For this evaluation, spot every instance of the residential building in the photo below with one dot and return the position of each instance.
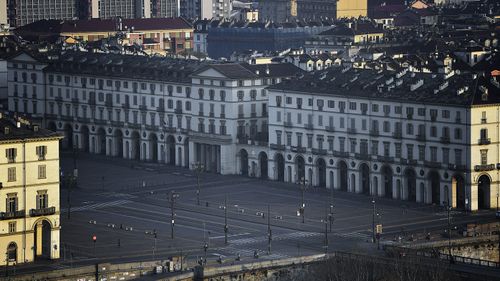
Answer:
(352, 8)
(29, 188)
(148, 108)
(289, 10)
(27, 11)
(206, 9)
(429, 138)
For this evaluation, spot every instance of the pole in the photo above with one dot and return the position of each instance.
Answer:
(226, 229)
(449, 232)
(373, 220)
(331, 209)
(269, 234)
(69, 200)
(172, 214)
(198, 184)
(326, 235)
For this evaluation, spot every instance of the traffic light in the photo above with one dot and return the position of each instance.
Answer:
(94, 238)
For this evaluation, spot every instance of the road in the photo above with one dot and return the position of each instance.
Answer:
(123, 203)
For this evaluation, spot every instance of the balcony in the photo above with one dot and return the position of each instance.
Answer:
(211, 114)
(50, 116)
(75, 100)
(171, 130)
(200, 113)
(277, 146)
(152, 127)
(143, 107)
(412, 162)
(351, 131)
(100, 122)
(253, 114)
(454, 167)
(162, 109)
(317, 151)
(92, 101)
(134, 126)
(445, 140)
(432, 164)
(223, 116)
(298, 149)
(309, 126)
(213, 138)
(330, 129)
(177, 110)
(241, 116)
(362, 156)
(403, 161)
(483, 168)
(58, 99)
(242, 139)
(385, 159)
(421, 137)
(42, 212)
(117, 123)
(288, 124)
(374, 133)
(126, 105)
(108, 103)
(12, 215)
(484, 141)
(397, 135)
(341, 154)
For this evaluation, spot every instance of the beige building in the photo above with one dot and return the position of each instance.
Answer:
(29, 189)
(352, 8)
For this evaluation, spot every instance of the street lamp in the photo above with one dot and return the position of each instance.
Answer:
(198, 167)
(173, 195)
(373, 220)
(448, 210)
(303, 186)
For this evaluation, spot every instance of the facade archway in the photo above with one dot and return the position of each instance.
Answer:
(342, 177)
(321, 167)
(279, 163)
(153, 147)
(118, 143)
(42, 239)
(434, 181)
(263, 165)
(171, 149)
(411, 185)
(68, 136)
(365, 178)
(387, 180)
(101, 141)
(136, 145)
(300, 167)
(85, 138)
(483, 192)
(12, 252)
(458, 189)
(244, 162)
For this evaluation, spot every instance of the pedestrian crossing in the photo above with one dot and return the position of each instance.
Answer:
(246, 253)
(279, 237)
(355, 235)
(99, 205)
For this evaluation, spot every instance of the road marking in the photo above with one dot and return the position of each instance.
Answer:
(229, 236)
(98, 206)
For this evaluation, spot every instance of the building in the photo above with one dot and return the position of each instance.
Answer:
(352, 8)
(420, 137)
(152, 109)
(27, 11)
(288, 10)
(206, 9)
(29, 181)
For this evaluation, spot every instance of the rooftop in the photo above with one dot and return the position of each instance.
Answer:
(17, 129)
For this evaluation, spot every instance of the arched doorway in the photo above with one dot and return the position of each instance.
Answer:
(411, 184)
(342, 170)
(68, 136)
(387, 181)
(244, 162)
(136, 145)
(300, 167)
(483, 192)
(321, 166)
(263, 165)
(153, 147)
(365, 178)
(101, 141)
(12, 252)
(85, 138)
(279, 162)
(42, 239)
(171, 150)
(119, 143)
(434, 181)
(458, 187)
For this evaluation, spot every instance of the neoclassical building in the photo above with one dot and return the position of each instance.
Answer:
(430, 138)
(155, 109)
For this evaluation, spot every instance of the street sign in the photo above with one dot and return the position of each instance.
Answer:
(379, 229)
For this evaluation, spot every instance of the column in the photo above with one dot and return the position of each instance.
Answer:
(38, 238)
(192, 153)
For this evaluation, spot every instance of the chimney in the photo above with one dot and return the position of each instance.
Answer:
(6, 130)
(35, 128)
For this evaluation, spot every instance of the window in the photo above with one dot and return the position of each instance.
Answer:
(288, 139)
(458, 156)
(398, 109)
(42, 199)
(484, 134)
(299, 103)
(288, 100)
(484, 156)
(11, 154)
(278, 116)
(421, 111)
(352, 106)
(309, 140)
(342, 144)
(11, 174)
(223, 95)
(458, 134)
(387, 126)
(387, 109)
(421, 152)
(331, 104)
(278, 137)
(353, 145)
(12, 227)
(299, 139)
(446, 155)
(433, 131)
(433, 153)
(11, 202)
(446, 114)
(374, 147)
(483, 117)
(299, 118)
(409, 151)
(398, 150)
(42, 172)
(342, 123)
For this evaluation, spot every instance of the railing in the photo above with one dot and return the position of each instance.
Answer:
(309, 126)
(341, 154)
(421, 137)
(298, 149)
(75, 100)
(330, 129)
(12, 215)
(386, 159)
(152, 127)
(162, 109)
(42, 212)
(288, 124)
(484, 141)
(223, 138)
(171, 130)
(481, 168)
(317, 151)
(277, 146)
(134, 126)
(445, 140)
(253, 114)
(126, 105)
(177, 110)
(412, 162)
(397, 135)
(108, 103)
(117, 123)
(454, 167)
(92, 101)
(143, 107)
(58, 99)
(432, 164)
(362, 156)
(241, 116)
(351, 131)
(100, 122)
(83, 119)
(223, 116)
(374, 133)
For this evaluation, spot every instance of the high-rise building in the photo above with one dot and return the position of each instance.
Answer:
(106, 9)
(22, 12)
(206, 9)
(29, 186)
(352, 8)
(285, 10)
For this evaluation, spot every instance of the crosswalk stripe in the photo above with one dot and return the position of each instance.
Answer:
(98, 206)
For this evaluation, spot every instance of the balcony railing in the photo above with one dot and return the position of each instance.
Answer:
(412, 162)
(445, 139)
(432, 164)
(83, 119)
(298, 149)
(277, 146)
(12, 215)
(374, 133)
(108, 103)
(152, 127)
(484, 141)
(362, 156)
(143, 107)
(351, 131)
(178, 111)
(75, 100)
(241, 116)
(386, 159)
(117, 123)
(330, 129)
(288, 124)
(454, 167)
(134, 126)
(341, 154)
(397, 135)
(309, 126)
(421, 137)
(162, 109)
(42, 212)
(253, 114)
(317, 151)
(481, 168)
(126, 105)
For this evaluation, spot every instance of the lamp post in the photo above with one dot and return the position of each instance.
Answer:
(173, 195)
(226, 228)
(303, 186)
(198, 167)
(373, 220)
(448, 210)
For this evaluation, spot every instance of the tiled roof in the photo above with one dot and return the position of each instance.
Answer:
(24, 132)
(110, 25)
